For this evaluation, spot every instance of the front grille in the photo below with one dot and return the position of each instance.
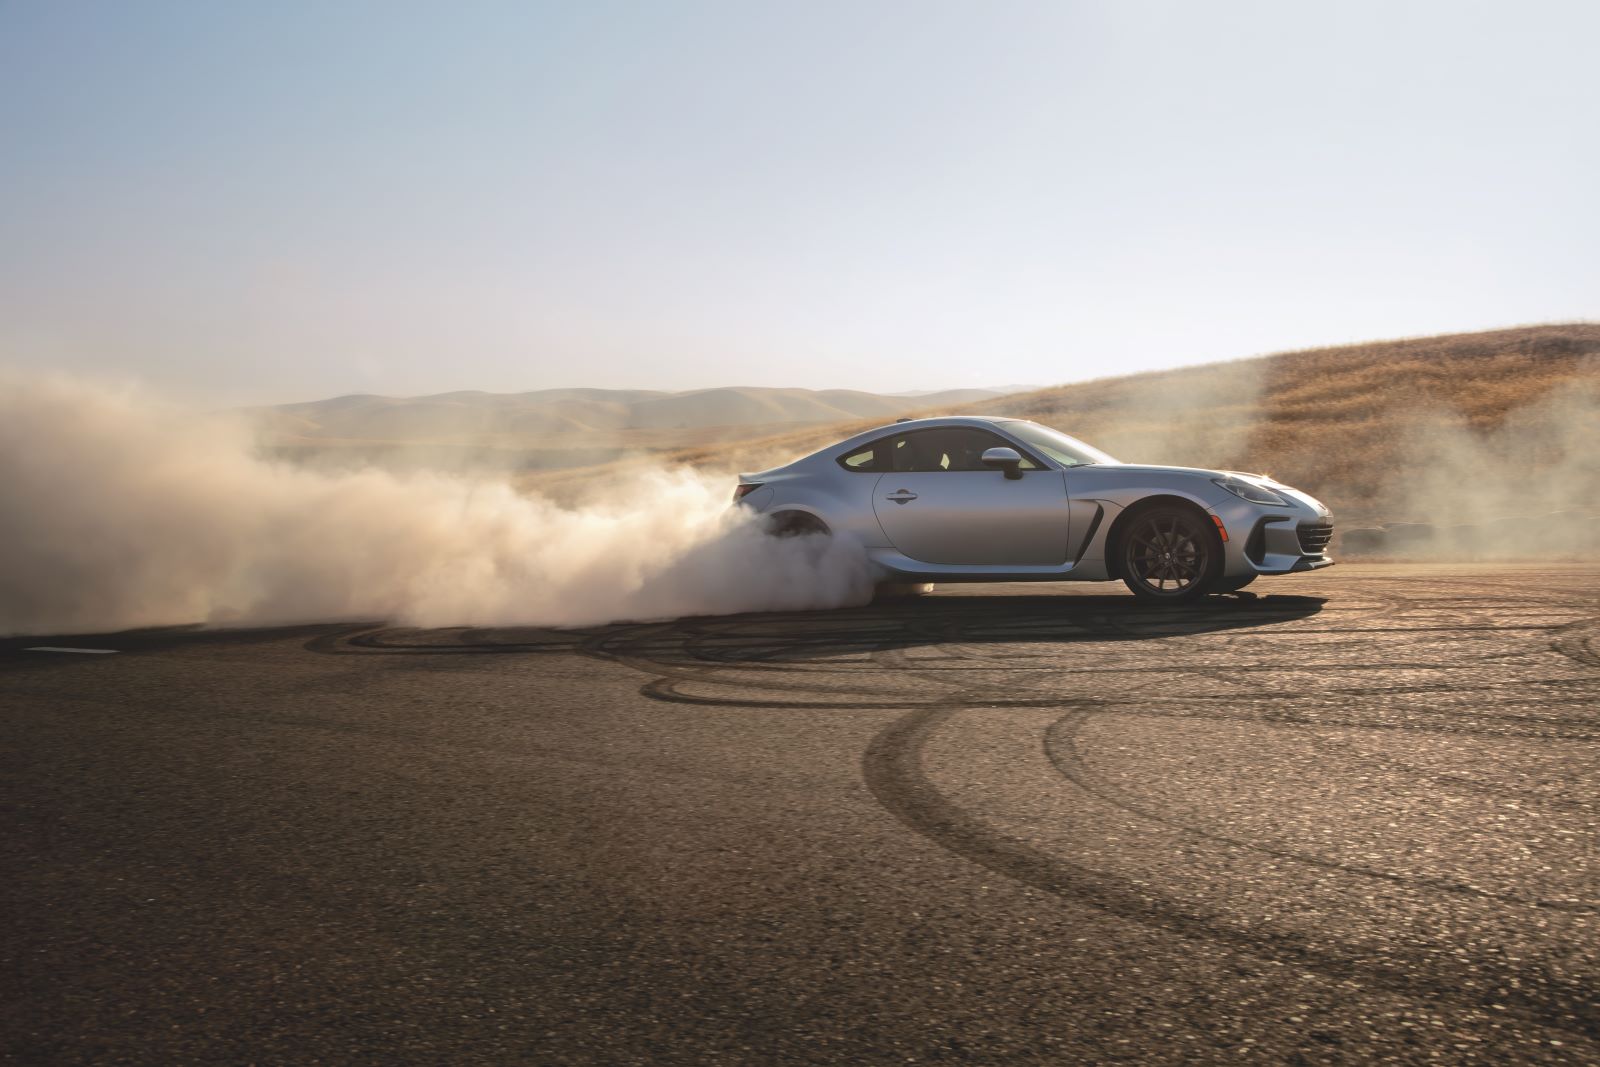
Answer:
(1314, 537)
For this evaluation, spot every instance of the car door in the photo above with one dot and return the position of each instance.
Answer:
(937, 503)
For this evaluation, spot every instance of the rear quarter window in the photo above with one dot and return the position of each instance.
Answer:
(862, 459)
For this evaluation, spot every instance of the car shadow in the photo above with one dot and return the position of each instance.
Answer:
(950, 618)
(943, 618)
(954, 616)
(25, 649)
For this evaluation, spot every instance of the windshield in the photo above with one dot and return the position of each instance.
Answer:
(1067, 451)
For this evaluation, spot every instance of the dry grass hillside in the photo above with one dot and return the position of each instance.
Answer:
(1456, 428)
(560, 428)
(1347, 423)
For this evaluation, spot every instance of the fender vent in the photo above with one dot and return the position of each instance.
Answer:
(1255, 546)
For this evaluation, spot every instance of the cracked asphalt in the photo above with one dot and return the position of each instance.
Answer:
(1352, 819)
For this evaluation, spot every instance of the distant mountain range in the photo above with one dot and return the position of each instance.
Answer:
(546, 413)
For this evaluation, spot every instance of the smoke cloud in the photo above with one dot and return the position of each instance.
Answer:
(1193, 417)
(1525, 488)
(1202, 417)
(119, 511)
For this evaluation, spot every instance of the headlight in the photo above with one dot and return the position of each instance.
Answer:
(1256, 494)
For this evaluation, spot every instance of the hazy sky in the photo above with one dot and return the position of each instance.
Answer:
(278, 201)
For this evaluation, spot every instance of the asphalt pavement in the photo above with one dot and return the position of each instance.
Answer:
(1350, 819)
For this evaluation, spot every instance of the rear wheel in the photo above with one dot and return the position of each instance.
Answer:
(1170, 554)
(795, 524)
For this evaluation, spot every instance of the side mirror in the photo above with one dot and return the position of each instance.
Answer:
(1006, 459)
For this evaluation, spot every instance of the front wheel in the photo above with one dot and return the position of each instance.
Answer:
(1170, 554)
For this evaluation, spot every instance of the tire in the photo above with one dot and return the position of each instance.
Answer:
(1170, 554)
(795, 524)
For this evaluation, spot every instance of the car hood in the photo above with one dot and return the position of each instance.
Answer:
(1160, 469)
(1203, 472)
(1287, 491)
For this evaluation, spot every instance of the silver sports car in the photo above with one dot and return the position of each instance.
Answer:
(973, 499)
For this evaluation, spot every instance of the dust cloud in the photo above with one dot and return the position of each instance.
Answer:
(1427, 480)
(1199, 418)
(1526, 488)
(1192, 417)
(118, 510)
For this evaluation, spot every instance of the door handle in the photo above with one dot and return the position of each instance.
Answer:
(901, 496)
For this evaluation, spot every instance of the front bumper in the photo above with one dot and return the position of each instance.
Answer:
(1276, 540)
(1284, 544)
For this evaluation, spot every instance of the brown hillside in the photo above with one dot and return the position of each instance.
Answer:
(1344, 422)
(556, 418)
(1381, 431)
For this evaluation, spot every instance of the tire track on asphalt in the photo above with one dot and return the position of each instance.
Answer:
(1447, 657)
(892, 768)
(1062, 750)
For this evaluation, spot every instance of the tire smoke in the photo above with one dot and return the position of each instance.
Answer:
(1192, 417)
(1525, 488)
(120, 511)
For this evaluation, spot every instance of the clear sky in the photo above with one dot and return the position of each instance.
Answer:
(277, 201)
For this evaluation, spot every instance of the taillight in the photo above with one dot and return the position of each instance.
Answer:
(744, 489)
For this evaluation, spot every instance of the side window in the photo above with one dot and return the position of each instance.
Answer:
(862, 459)
(952, 448)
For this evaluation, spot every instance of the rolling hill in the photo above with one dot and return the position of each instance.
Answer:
(535, 417)
(1451, 430)
(558, 429)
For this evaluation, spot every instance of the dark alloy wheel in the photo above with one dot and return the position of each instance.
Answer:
(1170, 554)
(795, 524)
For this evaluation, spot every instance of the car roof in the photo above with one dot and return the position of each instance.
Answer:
(849, 444)
(905, 425)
